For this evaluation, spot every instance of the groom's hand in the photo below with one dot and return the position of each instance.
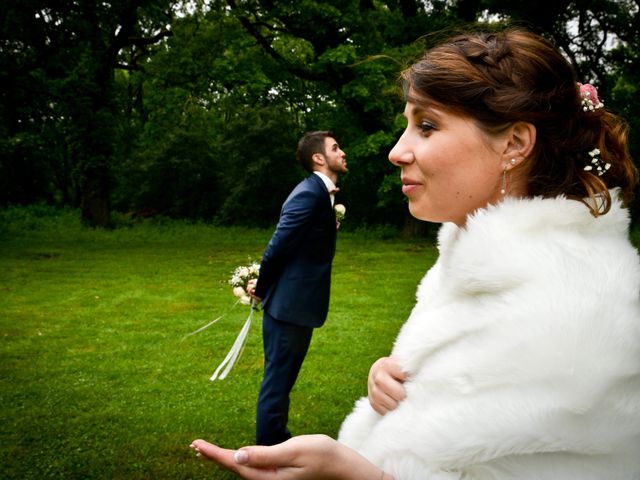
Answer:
(386, 385)
(251, 289)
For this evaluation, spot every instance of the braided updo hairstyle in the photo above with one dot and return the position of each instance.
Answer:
(515, 75)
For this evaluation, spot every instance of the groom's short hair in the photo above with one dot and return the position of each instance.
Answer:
(310, 144)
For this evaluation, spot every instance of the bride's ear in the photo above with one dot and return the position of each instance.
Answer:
(520, 140)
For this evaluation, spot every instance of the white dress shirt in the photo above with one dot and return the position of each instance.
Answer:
(329, 184)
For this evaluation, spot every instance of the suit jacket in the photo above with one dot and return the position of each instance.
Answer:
(295, 272)
(523, 351)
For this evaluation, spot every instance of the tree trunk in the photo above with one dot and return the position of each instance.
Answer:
(416, 228)
(94, 204)
(468, 10)
(94, 123)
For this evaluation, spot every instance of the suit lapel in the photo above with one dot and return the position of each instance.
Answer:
(320, 186)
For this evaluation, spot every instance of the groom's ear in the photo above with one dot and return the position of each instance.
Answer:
(318, 159)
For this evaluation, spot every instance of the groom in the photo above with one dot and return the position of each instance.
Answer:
(295, 276)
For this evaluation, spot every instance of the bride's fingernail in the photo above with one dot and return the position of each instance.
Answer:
(241, 456)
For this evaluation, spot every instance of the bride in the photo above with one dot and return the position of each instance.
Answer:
(521, 357)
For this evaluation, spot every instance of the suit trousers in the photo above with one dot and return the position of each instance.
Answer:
(285, 347)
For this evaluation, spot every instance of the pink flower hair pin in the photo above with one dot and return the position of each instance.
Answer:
(589, 96)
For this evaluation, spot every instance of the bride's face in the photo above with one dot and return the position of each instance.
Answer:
(449, 167)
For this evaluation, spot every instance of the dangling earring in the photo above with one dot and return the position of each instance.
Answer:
(503, 190)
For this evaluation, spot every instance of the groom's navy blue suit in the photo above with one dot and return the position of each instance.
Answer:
(294, 284)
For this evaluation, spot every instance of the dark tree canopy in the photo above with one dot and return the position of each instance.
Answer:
(192, 109)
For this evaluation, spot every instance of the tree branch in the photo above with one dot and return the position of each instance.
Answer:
(143, 41)
(264, 43)
(468, 10)
(131, 68)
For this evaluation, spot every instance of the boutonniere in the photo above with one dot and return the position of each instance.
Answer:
(340, 212)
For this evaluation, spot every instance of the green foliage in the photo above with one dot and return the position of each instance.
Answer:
(60, 60)
(158, 107)
(97, 379)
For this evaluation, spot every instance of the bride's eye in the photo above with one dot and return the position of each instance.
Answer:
(426, 127)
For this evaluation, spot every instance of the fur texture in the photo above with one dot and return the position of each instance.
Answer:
(523, 351)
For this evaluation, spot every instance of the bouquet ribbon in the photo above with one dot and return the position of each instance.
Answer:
(240, 280)
(210, 323)
(236, 349)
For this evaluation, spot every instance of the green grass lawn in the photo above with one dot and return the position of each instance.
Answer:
(97, 378)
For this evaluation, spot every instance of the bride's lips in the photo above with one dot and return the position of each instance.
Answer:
(409, 185)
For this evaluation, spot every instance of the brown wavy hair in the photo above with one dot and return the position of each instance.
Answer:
(497, 78)
(310, 144)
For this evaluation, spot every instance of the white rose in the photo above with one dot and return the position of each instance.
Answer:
(239, 292)
(245, 300)
(340, 209)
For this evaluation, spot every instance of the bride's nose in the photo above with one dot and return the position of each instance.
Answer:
(401, 154)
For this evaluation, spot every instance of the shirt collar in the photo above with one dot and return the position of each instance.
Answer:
(326, 180)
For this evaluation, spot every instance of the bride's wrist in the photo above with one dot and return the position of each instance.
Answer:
(353, 466)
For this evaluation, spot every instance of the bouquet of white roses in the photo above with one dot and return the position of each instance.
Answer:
(239, 282)
(240, 279)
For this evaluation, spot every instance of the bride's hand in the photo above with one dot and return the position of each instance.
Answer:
(385, 385)
(299, 458)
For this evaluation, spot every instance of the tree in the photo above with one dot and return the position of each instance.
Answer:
(188, 109)
(215, 108)
(69, 51)
(351, 53)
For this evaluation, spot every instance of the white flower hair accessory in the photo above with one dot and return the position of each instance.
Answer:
(597, 163)
(589, 96)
